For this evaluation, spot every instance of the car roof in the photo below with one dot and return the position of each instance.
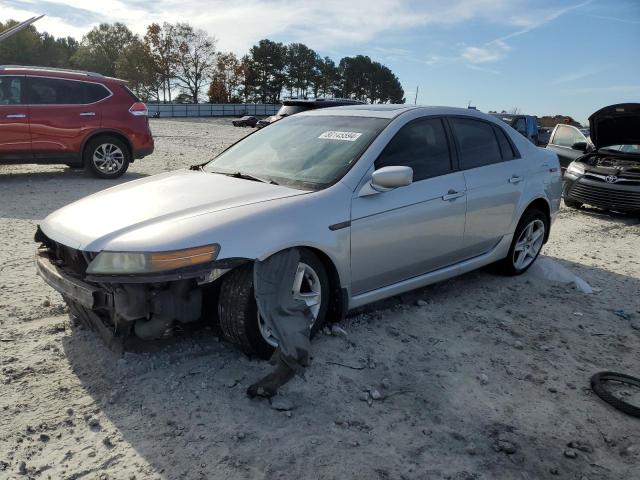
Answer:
(391, 110)
(55, 72)
(320, 102)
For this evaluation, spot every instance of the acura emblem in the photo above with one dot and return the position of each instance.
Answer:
(611, 179)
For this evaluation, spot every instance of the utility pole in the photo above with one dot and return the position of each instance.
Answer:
(415, 100)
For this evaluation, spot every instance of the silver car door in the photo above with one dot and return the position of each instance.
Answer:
(495, 177)
(415, 229)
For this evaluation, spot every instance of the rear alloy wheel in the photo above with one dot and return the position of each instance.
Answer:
(107, 157)
(240, 321)
(527, 243)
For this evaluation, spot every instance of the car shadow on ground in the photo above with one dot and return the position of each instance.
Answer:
(33, 195)
(610, 215)
(184, 410)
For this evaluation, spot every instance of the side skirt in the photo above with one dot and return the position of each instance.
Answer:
(497, 253)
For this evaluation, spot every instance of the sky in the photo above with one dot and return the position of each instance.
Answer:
(543, 57)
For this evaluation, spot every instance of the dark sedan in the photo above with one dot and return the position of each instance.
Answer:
(608, 177)
(246, 121)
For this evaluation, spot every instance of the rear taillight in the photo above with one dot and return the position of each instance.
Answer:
(139, 109)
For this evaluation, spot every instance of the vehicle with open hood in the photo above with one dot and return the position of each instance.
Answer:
(609, 176)
(378, 199)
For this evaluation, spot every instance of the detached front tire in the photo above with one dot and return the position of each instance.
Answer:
(238, 313)
(528, 239)
(107, 157)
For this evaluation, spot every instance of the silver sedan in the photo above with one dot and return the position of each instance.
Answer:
(379, 200)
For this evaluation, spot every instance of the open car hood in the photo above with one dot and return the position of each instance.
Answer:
(616, 125)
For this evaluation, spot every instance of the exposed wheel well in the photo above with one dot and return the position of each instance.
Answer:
(542, 205)
(107, 133)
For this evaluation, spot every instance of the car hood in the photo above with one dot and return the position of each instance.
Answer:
(160, 200)
(616, 125)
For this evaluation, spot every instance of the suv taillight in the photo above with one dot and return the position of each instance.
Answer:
(139, 109)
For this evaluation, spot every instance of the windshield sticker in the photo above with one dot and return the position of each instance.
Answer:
(346, 136)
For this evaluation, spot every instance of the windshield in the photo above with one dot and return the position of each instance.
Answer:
(291, 110)
(306, 152)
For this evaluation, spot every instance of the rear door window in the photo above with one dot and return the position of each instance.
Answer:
(505, 146)
(57, 91)
(422, 145)
(11, 90)
(477, 142)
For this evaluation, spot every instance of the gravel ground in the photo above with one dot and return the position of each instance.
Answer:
(479, 377)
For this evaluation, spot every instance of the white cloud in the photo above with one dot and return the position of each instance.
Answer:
(534, 18)
(322, 24)
(482, 54)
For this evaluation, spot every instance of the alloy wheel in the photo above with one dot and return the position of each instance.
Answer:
(108, 158)
(529, 244)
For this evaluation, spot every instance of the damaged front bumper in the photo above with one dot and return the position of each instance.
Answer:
(81, 292)
(116, 306)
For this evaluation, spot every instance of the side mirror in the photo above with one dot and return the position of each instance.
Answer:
(388, 178)
(582, 146)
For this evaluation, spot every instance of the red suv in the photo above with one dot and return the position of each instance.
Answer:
(76, 118)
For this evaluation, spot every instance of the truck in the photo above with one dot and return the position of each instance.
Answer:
(527, 125)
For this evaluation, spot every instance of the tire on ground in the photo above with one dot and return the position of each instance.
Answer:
(598, 387)
(506, 266)
(238, 312)
(91, 147)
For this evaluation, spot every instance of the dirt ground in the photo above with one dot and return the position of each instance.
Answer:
(479, 377)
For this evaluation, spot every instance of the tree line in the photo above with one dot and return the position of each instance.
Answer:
(176, 57)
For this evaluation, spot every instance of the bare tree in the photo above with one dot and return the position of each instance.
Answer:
(196, 56)
(159, 45)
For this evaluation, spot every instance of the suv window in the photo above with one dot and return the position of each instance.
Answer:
(57, 91)
(421, 145)
(10, 90)
(94, 92)
(566, 136)
(477, 143)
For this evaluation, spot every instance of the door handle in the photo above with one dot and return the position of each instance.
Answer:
(515, 179)
(452, 195)
(88, 114)
(16, 115)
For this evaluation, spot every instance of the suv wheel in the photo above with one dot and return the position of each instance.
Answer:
(239, 319)
(526, 244)
(107, 157)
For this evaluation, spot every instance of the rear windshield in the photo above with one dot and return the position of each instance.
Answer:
(291, 110)
(306, 152)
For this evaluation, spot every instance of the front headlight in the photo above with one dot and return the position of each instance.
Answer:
(125, 263)
(575, 168)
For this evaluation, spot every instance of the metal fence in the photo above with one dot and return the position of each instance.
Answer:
(212, 109)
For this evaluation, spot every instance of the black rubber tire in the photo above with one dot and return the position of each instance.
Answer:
(238, 312)
(598, 387)
(505, 266)
(95, 143)
(572, 203)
